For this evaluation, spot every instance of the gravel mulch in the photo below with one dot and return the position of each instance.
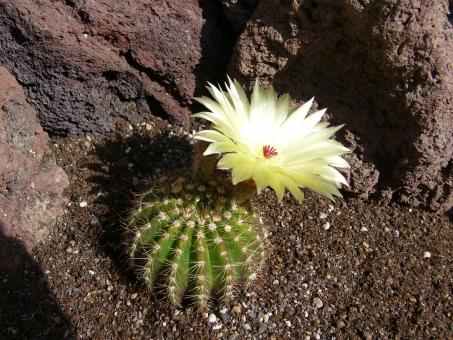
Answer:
(348, 269)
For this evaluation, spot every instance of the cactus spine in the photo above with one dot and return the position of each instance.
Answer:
(194, 240)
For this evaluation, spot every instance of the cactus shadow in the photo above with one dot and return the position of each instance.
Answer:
(134, 161)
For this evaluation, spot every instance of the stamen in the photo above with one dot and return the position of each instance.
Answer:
(269, 151)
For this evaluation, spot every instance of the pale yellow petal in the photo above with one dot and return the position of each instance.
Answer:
(230, 160)
(221, 147)
(338, 162)
(242, 170)
(316, 183)
(311, 139)
(262, 176)
(211, 136)
(293, 188)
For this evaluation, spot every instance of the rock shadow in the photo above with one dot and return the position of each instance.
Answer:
(212, 45)
(28, 307)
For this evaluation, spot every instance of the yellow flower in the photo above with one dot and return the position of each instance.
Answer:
(265, 140)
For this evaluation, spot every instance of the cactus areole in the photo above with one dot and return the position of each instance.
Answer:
(192, 240)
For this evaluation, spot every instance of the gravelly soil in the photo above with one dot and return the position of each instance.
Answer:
(347, 269)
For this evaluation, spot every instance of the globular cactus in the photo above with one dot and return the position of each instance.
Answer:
(194, 241)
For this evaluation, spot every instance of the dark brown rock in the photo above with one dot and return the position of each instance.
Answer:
(31, 184)
(382, 67)
(84, 62)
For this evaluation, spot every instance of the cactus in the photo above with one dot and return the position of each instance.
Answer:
(194, 240)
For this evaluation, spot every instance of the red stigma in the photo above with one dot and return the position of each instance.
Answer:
(269, 151)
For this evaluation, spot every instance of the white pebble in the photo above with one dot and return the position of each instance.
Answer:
(212, 318)
(364, 229)
(105, 168)
(127, 150)
(317, 303)
(323, 215)
(326, 226)
(288, 323)
(276, 282)
(83, 204)
(426, 255)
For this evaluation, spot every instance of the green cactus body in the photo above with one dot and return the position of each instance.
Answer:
(194, 240)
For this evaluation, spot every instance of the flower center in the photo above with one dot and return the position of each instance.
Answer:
(269, 151)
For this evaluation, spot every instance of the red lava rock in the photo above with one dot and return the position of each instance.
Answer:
(84, 62)
(30, 182)
(383, 68)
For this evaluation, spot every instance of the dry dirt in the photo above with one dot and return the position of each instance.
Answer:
(334, 270)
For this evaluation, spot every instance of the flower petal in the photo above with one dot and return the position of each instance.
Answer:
(220, 147)
(338, 162)
(211, 136)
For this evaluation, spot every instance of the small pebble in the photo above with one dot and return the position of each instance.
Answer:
(217, 327)
(364, 229)
(262, 329)
(127, 150)
(83, 204)
(236, 308)
(317, 303)
(276, 282)
(288, 323)
(426, 255)
(326, 226)
(212, 318)
(323, 215)
(105, 168)
(396, 233)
